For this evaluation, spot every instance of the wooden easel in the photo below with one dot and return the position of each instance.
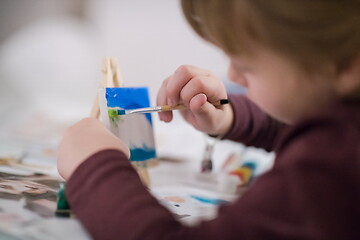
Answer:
(112, 78)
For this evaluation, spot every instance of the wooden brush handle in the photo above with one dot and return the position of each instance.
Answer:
(181, 106)
(170, 108)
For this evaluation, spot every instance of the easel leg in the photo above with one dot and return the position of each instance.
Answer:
(144, 175)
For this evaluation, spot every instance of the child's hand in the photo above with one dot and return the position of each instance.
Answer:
(83, 140)
(196, 88)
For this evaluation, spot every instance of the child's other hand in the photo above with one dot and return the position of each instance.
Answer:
(82, 140)
(196, 88)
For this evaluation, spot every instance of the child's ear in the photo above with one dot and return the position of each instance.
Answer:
(348, 81)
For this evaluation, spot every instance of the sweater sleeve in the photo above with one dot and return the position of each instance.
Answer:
(109, 199)
(312, 192)
(251, 126)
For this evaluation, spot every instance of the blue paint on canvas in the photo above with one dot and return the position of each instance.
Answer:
(141, 145)
(141, 154)
(129, 98)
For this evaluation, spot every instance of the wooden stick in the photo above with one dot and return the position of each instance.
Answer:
(144, 175)
(95, 110)
(111, 78)
(116, 74)
(17, 163)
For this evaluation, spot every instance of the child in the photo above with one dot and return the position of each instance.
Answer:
(300, 63)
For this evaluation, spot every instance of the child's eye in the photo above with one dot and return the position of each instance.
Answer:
(241, 68)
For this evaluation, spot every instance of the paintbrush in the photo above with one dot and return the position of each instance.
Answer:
(163, 108)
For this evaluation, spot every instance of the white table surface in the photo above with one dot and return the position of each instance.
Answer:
(180, 149)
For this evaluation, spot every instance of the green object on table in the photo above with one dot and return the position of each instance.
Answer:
(63, 207)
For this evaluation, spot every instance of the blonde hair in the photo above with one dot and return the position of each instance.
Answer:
(312, 33)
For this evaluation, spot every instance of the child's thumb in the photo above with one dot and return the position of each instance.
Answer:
(200, 107)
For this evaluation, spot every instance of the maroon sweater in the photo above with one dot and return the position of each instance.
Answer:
(312, 192)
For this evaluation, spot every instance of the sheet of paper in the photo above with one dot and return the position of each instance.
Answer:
(27, 209)
(190, 205)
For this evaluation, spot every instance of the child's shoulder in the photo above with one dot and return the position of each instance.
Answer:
(318, 164)
(330, 136)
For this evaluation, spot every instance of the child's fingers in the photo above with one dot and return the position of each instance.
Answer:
(180, 78)
(201, 109)
(200, 113)
(205, 117)
(162, 100)
(214, 90)
(197, 102)
(82, 140)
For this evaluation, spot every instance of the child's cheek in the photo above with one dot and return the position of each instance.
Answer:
(261, 96)
(242, 80)
(237, 77)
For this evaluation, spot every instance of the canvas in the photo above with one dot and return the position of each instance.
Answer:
(137, 129)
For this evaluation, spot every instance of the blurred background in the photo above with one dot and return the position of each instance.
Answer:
(51, 55)
(51, 51)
